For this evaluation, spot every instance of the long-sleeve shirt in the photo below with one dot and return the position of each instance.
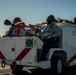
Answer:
(51, 30)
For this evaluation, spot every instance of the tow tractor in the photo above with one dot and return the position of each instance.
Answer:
(19, 52)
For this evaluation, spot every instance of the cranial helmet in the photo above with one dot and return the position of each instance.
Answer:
(17, 19)
(50, 19)
(75, 19)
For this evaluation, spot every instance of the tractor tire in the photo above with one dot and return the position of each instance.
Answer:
(17, 69)
(57, 65)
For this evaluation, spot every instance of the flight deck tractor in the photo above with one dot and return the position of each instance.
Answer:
(23, 51)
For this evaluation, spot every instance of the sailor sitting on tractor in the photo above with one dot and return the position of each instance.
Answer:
(50, 36)
(17, 29)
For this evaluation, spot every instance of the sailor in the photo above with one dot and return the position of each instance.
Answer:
(49, 36)
(19, 27)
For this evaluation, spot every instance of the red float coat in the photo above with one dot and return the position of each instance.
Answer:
(18, 26)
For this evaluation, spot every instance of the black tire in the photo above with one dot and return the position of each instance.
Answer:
(57, 65)
(17, 69)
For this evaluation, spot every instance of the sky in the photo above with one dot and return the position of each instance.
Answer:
(35, 11)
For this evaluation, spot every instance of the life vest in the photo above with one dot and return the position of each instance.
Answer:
(17, 28)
